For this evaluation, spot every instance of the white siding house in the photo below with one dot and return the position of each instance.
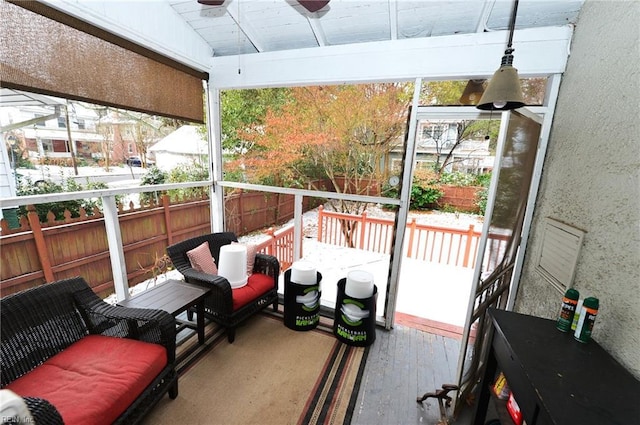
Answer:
(186, 145)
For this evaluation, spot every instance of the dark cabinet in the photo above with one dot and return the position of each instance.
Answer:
(556, 379)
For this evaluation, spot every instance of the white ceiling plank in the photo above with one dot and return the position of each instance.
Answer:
(538, 52)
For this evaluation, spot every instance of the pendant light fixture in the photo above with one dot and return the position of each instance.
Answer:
(503, 91)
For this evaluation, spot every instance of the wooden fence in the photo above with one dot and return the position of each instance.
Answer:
(36, 253)
(462, 198)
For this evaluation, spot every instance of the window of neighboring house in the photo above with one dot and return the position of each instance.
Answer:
(47, 145)
(81, 124)
(424, 164)
(62, 123)
(434, 131)
(130, 148)
(396, 164)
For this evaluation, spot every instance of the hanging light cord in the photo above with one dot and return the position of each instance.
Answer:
(507, 59)
(488, 137)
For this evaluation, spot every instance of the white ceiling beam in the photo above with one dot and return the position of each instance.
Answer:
(484, 16)
(316, 28)
(538, 52)
(393, 19)
(233, 9)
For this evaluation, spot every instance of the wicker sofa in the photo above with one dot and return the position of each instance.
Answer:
(93, 362)
(226, 306)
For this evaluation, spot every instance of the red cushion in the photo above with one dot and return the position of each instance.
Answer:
(257, 285)
(95, 379)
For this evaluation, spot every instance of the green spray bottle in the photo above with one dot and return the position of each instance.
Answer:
(568, 310)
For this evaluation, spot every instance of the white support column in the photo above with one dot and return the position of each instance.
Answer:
(403, 211)
(116, 252)
(214, 132)
(297, 227)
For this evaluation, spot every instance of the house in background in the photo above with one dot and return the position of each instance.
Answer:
(436, 139)
(51, 130)
(48, 138)
(186, 145)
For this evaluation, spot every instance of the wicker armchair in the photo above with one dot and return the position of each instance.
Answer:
(42, 322)
(219, 306)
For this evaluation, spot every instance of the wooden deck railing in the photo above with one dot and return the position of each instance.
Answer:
(280, 245)
(451, 246)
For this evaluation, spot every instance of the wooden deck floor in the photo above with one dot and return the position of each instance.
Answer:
(403, 364)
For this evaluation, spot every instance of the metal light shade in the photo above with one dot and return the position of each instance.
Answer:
(212, 2)
(503, 92)
(472, 92)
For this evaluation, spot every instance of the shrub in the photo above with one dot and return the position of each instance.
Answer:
(465, 179)
(188, 173)
(27, 188)
(153, 176)
(425, 190)
(423, 198)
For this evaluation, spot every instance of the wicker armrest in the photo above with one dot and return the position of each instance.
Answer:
(43, 412)
(148, 325)
(220, 286)
(267, 264)
(15, 409)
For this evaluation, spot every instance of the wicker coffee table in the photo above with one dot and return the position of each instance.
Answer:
(174, 297)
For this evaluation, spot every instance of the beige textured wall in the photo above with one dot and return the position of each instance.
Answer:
(591, 177)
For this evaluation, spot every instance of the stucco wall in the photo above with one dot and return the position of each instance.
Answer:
(591, 177)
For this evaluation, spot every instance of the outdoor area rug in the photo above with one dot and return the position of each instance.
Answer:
(269, 375)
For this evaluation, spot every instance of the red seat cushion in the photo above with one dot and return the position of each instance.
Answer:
(257, 285)
(95, 379)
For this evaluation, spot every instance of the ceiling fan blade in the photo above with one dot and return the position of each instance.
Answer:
(313, 5)
(211, 2)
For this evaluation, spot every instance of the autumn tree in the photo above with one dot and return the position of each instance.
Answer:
(339, 133)
(462, 131)
(244, 111)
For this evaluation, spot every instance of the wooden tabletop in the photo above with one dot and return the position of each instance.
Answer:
(172, 296)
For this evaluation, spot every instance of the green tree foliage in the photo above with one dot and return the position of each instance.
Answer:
(245, 111)
(188, 173)
(448, 92)
(425, 190)
(442, 92)
(153, 176)
(27, 188)
(182, 173)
